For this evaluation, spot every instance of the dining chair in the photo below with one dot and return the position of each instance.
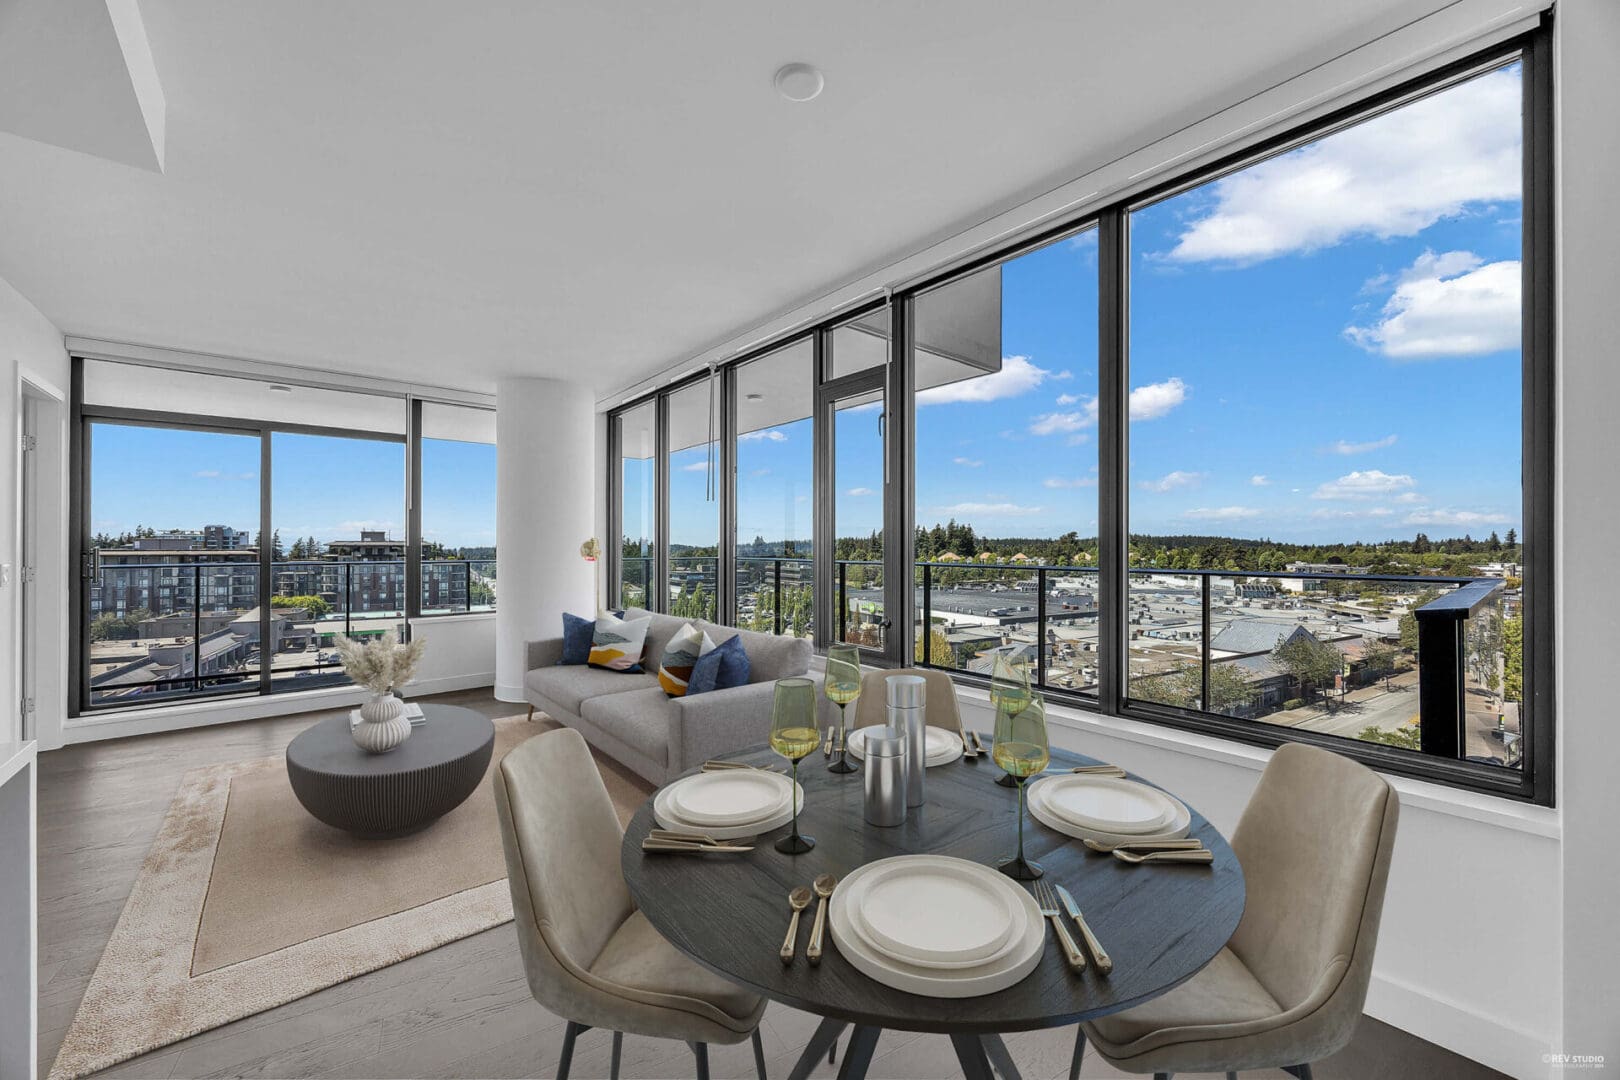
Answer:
(590, 956)
(1288, 989)
(940, 711)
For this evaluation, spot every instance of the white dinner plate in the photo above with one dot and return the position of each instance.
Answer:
(730, 796)
(668, 818)
(987, 978)
(935, 911)
(1108, 803)
(942, 747)
(1035, 798)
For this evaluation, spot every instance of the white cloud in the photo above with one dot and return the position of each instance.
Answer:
(1260, 480)
(860, 491)
(1070, 482)
(1456, 517)
(1052, 423)
(1363, 485)
(1452, 304)
(1017, 376)
(760, 472)
(773, 434)
(1155, 399)
(1393, 175)
(1002, 509)
(1222, 513)
(696, 466)
(1346, 447)
(1325, 514)
(1147, 403)
(1063, 375)
(968, 463)
(1410, 498)
(1172, 480)
(215, 474)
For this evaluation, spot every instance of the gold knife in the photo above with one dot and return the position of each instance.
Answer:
(674, 846)
(1099, 955)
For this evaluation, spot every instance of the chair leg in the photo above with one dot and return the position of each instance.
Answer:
(832, 1051)
(1162, 1076)
(1231, 1075)
(618, 1047)
(700, 1051)
(759, 1055)
(570, 1033)
(1302, 1072)
(531, 713)
(1079, 1052)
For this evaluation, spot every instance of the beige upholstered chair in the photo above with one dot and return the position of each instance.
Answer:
(591, 957)
(1288, 989)
(872, 707)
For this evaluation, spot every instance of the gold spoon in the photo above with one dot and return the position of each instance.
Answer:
(1186, 856)
(798, 900)
(824, 888)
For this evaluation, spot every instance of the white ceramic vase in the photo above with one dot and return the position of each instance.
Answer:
(383, 724)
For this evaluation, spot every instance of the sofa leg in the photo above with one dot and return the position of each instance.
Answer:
(531, 714)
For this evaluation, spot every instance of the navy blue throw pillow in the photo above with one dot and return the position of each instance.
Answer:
(721, 668)
(577, 633)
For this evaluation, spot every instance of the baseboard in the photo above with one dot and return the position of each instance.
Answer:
(509, 693)
(424, 687)
(1490, 1040)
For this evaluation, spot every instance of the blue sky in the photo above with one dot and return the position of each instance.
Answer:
(1324, 347)
(322, 486)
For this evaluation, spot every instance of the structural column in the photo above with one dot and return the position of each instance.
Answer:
(545, 509)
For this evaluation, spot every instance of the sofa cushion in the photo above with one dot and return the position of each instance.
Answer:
(680, 657)
(769, 657)
(569, 686)
(638, 718)
(723, 667)
(660, 630)
(618, 644)
(576, 639)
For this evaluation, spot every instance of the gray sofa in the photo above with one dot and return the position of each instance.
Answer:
(632, 720)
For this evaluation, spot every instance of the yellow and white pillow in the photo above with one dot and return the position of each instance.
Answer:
(616, 643)
(680, 657)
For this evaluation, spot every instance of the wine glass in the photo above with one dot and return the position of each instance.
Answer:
(1021, 749)
(1009, 688)
(843, 687)
(793, 735)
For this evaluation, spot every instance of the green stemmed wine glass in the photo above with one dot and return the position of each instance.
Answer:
(1009, 689)
(1021, 749)
(793, 735)
(843, 686)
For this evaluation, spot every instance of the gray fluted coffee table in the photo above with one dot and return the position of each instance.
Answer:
(399, 792)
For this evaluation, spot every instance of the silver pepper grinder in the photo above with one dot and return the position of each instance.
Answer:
(885, 769)
(907, 698)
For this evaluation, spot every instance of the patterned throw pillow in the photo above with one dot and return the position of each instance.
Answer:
(617, 643)
(680, 657)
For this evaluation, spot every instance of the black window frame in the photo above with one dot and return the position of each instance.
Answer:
(1534, 781)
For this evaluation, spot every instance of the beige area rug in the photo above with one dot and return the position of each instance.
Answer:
(245, 902)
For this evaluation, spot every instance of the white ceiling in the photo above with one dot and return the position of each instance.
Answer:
(455, 192)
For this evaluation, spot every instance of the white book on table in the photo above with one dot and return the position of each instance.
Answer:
(413, 713)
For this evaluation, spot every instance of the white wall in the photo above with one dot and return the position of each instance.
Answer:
(30, 348)
(545, 509)
(1588, 33)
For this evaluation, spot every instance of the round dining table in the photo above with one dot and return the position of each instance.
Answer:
(1160, 923)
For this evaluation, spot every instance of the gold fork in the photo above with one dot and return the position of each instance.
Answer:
(1047, 899)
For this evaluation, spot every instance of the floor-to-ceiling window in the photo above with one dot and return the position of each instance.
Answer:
(694, 500)
(636, 478)
(458, 509)
(1326, 378)
(1005, 362)
(232, 528)
(775, 490)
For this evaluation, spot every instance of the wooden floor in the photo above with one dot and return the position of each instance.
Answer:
(463, 1010)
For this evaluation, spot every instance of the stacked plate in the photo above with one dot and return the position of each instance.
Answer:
(937, 926)
(943, 746)
(1107, 809)
(728, 804)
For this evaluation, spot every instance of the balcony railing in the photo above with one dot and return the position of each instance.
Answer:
(776, 594)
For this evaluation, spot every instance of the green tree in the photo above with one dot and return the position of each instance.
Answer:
(1380, 658)
(940, 653)
(1407, 736)
(1513, 655)
(1183, 686)
(1312, 664)
(316, 607)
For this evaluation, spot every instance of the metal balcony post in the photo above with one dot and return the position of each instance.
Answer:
(843, 599)
(776, 570)
(1203, 649)
(1442, 682)
(196, 626)
(1040, 626)
(928, 615)
(466, 596)
(348, 599)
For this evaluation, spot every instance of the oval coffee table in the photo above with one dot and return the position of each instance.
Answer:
(407, 789)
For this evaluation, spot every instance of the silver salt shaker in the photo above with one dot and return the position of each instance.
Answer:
(885, 769)
(907, 719)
